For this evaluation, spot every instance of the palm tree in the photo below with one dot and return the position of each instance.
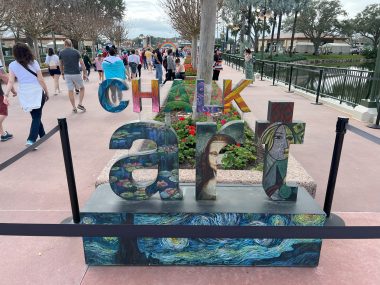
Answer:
(298, 5)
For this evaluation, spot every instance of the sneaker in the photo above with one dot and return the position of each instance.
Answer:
(75, 110)
(80, 107)
(29, 143)
(6, 136)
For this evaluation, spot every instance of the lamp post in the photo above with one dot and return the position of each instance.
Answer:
(222, 35)
(263, 15)
(236, 30)
(229, 26)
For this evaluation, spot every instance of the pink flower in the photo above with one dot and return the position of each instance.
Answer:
(223, 121)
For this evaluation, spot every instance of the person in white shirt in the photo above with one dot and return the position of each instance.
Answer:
(52, 60)
(133, 61)
(31, 86)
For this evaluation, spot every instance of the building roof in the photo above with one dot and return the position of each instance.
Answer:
(298, 36)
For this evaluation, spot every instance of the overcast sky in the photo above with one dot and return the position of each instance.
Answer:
(147, 17)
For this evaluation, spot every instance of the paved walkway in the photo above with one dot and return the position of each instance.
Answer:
(34, 190)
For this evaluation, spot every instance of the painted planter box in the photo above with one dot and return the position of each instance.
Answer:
(236, 205)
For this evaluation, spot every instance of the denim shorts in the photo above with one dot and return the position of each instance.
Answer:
(74, 81)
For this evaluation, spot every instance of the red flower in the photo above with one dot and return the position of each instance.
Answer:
(223, 121)
(236, 113)
(181, 118)
(183, 140)
(192, 132)
(208, 114)
(238, 145)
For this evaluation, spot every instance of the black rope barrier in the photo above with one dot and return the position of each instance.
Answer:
(21, 154)
(192, 231)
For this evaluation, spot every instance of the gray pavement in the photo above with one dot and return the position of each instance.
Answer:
(34, 190)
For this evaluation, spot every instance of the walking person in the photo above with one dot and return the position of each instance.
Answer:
(217, 66)
(99, 68)
(124, 58)
(179, 70)
(148, 57)
(70, 59)
(157, 62)
(140, 64)
(170, 66)
(114, 68)
(249, 60)
(87, 63)
(134, 61)
(33, 92)
(144, 60)
(4, 135)
(52, 60)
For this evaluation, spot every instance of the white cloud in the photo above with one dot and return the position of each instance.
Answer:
(147, 17)
(354, 7)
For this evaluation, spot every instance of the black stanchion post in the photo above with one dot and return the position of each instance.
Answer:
(290, 78)
(69, 169)
(341, 127)
(274, 72)
(262, 70)
(319, 87)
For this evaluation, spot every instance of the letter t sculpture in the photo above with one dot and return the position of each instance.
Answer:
(277, 133)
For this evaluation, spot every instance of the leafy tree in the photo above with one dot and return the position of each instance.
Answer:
(80, 19)
(4, 14)
(367, 23)
(281, 7)
(244, 15)
(347, 28)
(318, 21)
(185, 17)
(33, 18)
(298, 5)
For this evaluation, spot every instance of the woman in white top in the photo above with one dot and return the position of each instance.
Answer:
(31, 87)
(52, 60)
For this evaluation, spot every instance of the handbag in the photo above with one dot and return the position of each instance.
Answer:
(218, 65)
(44, 96)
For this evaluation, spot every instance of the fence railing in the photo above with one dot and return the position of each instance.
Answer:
(350, 86)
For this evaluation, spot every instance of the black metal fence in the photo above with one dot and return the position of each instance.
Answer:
(344, 85)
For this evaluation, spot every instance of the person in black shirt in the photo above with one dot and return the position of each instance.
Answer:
(157, 62)
(217, 67)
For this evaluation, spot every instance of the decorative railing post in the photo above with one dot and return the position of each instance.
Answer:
(319, 87)
(274, 72)
(290, 78)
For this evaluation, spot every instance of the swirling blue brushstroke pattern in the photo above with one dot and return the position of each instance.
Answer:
(231, 252)
(304, 252)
